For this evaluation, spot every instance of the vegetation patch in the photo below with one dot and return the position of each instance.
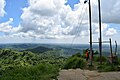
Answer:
(74, 62)
(26, 65)
(37, 72)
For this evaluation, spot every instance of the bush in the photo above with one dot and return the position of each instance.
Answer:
(108, 68)
(74, 62)
(104, 68)
(96, 53)
(97, 58)
(37, 72)
(77, 55)
(83, 55)
(119, 61)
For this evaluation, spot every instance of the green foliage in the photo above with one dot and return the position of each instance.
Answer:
(119, 61)
(29, 66)
(39, 49)
(9, 58)
(108, 68)
(74, 62)
(96, 52)
(53, 57)
(83, 55)
(97, 59)
(37, 72)
(76, 55)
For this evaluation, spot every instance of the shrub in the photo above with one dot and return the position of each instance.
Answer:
(105, 68)
(83, 55)
(77, 55)
(37, 72)
(108, 68)
(97, 58)
(74, 62)
(96, 53)
(119, 61)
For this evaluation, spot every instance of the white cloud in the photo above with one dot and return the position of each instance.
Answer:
(2, 5)
(96, 27)
(6, 27)
(84, 33)
(46, 7)
(110, 11)
(111, 32)
(52, 19)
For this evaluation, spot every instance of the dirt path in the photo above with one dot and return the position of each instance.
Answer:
(79, 74)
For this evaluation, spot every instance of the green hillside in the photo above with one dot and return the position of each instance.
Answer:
(25, 65)
(39, 49)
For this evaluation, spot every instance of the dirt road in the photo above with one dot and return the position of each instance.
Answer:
(79, 74)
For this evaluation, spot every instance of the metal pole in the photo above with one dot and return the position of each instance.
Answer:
(100, 32)
(115, 47)
(111, 55)
(90, 32)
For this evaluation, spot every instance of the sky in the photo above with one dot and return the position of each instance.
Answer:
(57, 21)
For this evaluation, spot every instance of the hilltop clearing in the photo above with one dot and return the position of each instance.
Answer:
(78, 74)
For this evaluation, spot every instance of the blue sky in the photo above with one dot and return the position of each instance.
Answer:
(72, 2)
(13, 10)
(23, 13)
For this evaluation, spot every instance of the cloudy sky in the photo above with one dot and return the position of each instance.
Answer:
(57, 21)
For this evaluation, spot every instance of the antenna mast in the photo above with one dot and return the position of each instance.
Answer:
(100, 33)
(90, 32)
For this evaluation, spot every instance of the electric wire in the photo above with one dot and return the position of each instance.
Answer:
(79, 26)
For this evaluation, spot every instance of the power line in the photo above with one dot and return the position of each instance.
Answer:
(79, 25)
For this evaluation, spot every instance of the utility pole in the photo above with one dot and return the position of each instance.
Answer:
(90, 32)
(115, 47)
(111, 55)
(100, 32)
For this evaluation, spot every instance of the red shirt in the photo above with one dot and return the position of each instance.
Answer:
(87, 53)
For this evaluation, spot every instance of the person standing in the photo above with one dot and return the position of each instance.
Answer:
(87, 55)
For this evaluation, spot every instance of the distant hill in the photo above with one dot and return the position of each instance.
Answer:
(39, 49)
(67, 49)
(18, 47)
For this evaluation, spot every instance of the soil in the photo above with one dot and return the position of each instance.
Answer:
(78, 74)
